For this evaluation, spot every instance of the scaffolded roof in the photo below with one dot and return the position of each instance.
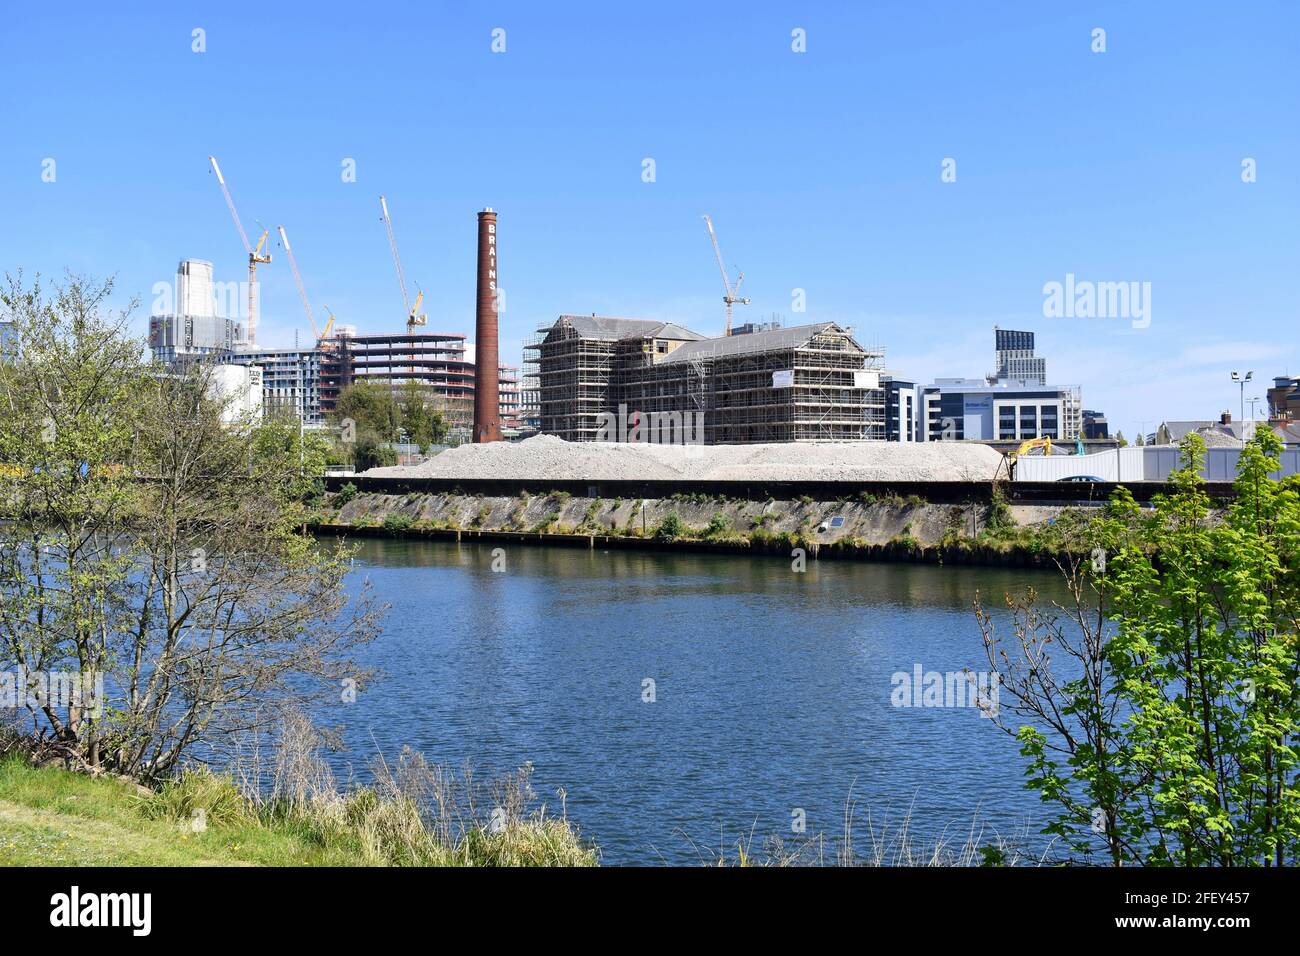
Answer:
(772, 340)
(608, 327)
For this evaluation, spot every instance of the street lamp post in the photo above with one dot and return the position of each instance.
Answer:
(1241, 381)
(302, 414)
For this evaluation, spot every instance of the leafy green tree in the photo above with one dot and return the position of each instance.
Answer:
(422, 420)
(376, 419)
(63, 489)
(278, 443)
(372, 408)
(153, 551)
(369, 452)
(1159, 703)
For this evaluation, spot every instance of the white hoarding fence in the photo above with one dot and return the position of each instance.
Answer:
(1150, 463)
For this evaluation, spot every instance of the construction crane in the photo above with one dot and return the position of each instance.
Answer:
(416, 317)
(297, 277)
(732, 296)
(255, 255)
(413, 315)
(328, 325)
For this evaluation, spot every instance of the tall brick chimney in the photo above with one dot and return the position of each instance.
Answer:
(487, 381)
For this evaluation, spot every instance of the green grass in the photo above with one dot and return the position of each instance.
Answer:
(51, 817)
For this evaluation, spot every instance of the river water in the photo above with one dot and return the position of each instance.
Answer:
(685, 702)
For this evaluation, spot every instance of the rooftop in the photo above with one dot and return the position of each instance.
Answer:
(609, 327)
(1215, 432)
(1000, 387)
(1289, 433)
(401, 338)
(767, 341)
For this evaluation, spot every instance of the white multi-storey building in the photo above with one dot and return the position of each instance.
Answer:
(194, 327)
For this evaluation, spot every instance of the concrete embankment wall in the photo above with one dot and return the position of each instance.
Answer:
(891, 528)
(940, 492)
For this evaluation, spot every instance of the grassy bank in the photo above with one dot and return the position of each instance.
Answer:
(53, 817)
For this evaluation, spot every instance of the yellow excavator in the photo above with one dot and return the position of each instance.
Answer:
(1043, 442)
(1027, 446)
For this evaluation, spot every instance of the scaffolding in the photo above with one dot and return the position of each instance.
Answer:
(434, 359)
(807, 383)
(573, 380)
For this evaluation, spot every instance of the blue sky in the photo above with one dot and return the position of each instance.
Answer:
(821, 169)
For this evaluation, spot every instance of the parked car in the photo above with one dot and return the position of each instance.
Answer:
(1080, 478)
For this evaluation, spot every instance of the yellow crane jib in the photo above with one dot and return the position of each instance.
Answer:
(255, 256)
(416, 317)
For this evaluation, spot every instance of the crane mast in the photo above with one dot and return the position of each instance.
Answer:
(731, 292)
(255, 254)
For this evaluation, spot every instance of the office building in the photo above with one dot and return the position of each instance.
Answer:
(957, 409)
(1014, 358)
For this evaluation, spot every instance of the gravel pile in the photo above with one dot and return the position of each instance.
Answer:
(547, 457)
(1215, 438)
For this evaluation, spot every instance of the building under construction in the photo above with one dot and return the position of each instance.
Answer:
(805, 383)
(439, 361)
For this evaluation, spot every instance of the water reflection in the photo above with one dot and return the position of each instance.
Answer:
(772, 687)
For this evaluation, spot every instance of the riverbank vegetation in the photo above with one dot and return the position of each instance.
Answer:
(867, 527)
(1158, 709)
(410, 814)
(161, 606)
(157, 592)
(54, 817)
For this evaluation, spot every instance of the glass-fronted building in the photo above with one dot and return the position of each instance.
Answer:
(957, 409)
